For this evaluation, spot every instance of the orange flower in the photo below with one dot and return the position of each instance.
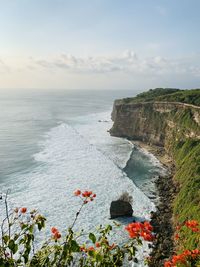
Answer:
(196, 251)
(77, 192)
(54, 230)
(87, 193)
(178, 259)
(91, 249)
(146, 236)
(167, 264)
(23, 210)
(195, 229)
(187, 252)
(148, 226)
(176, 237)
(57, 235)
(178, 227)
(97, 244)
(192, 223)
(138, 229)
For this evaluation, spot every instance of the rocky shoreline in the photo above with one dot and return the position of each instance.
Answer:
(163, 245)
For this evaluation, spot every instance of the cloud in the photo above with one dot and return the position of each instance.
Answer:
(91, 64)
(127, 63)
(125, 70)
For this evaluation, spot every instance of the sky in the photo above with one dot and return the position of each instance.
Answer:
(99, 44)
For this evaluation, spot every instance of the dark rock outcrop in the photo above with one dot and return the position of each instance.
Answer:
(161, 220)
(120, 208)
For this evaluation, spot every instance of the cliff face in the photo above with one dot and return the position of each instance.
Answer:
(176, 127)
(155, 122)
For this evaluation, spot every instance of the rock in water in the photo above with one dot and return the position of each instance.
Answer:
(120, 208)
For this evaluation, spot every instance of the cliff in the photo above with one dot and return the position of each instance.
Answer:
(155, 122)
(174, 125)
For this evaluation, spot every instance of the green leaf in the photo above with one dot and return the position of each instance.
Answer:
(99, 257)
(12, 246)
(26, 253)
(132, 251)
(74, 246)
(91, 253)
(15, 249)
(5, 239)
(92, 237)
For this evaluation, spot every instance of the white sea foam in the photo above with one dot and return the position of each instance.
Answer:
(67, 161)
(96, 133)
(86, 157)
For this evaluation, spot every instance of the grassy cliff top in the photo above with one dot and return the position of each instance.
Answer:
(191, 96)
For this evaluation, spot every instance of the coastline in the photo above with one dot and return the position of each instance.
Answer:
(159, 153)
(161, 219)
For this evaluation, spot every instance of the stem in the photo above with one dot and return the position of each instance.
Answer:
(7, 213)
(77, 214)
(8, 218)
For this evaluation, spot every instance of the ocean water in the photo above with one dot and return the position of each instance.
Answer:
(54, 142)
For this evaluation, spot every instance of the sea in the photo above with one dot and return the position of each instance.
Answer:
(53, 142)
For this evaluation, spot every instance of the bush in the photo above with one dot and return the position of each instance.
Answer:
(126, 197)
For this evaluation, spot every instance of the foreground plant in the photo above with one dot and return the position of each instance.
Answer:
(20, 227)
(186, 257)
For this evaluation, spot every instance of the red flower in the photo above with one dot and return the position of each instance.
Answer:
(178, 227)
(77, 192)
(138, 229)
(91, 249)
(146, 236)
(178, 259)
(54, 230)
(167, 264)
(148, 226)
(57, 235)
(195, 229)
(87, 193)
(192, 223)
(94, 195)
(176, 237)
(97, 244)
(23, 210)
(133, 234)
(196, 251)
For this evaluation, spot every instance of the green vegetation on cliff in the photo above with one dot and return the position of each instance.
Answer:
(186, 155)
(167, 95)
